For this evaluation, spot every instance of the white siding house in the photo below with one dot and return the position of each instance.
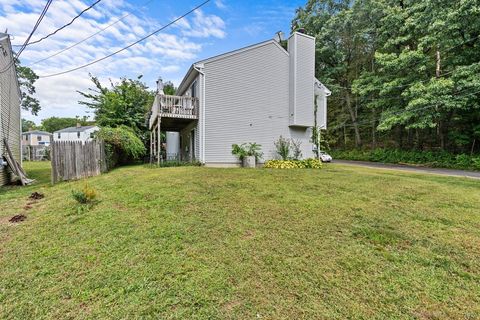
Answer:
(36, 138)
(10, 127)
(254, 94)
(78, 133)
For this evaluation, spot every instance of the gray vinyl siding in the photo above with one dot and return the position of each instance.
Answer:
(9, 108)
(302, 77)
(185, 140)
(247, 100)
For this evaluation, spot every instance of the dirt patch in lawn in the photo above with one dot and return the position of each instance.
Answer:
(18, 218)
(36, 196)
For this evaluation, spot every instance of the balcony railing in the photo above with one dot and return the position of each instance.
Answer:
(174, 107)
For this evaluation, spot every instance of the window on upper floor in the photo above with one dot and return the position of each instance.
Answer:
(39, 138)
(59, 135)
(78, 134)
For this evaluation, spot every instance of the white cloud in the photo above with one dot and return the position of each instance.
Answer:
(203, 26)
(168, 52)
(220, 4)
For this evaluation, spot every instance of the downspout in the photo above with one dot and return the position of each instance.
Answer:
(199, 69)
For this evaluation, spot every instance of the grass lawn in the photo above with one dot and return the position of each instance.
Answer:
(203, 243)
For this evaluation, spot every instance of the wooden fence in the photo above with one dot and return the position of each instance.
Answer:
(75, 160)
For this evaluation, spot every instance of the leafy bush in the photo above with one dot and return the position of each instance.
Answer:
(283, 148)
(122, 145)
(294, 164)
(439, 159)
(247, 150)
(296, 149)
(85, 196)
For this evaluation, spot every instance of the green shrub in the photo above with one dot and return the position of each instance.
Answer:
(283, 146)
(247, 150)
(440, 159)
(294, 164)
(86, 195)
(122, 145)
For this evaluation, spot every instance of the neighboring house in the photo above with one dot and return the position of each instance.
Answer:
(78, 133)
(36, 138)
(254, 94)
(10, 97)
(35, 145)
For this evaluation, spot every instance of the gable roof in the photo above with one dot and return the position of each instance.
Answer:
(76, 129)
(192, 71)
(44, 133)
(237, 51)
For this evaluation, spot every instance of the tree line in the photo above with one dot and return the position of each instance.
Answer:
(403, 73)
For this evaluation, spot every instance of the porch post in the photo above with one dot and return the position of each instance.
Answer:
(151, 146)
(159, 141)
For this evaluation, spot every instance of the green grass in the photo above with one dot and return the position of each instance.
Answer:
(203, 243)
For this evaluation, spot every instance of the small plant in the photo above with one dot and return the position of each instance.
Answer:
(239, 151)
(296, 149)
(87, 195)
(283, 147)
(243, 150)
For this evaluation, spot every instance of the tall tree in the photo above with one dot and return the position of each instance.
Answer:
(125, 103)
(26, 79)
(407, 68)
(28, 125)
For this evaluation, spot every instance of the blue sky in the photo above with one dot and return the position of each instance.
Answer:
(219, 26)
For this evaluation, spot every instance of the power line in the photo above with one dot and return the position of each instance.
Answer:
(130, 45)
(89, 37)
(66, 25)
(39, 20)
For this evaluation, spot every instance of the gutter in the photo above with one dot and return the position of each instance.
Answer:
(199, 68)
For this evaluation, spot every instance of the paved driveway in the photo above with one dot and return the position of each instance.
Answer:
(444, 172)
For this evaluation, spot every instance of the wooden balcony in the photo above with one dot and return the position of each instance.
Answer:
(176, 107)
(169, 113)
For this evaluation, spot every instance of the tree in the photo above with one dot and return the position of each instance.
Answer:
(28, 125)
(409, 69)
(126, 103)
(26, 80)
(53, 124)
(169, 88)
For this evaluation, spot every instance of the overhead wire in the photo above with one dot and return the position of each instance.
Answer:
(129, 46)
(65, 25)
(87, 38)
(39, 20)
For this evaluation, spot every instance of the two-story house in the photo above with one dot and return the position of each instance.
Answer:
(253, 94)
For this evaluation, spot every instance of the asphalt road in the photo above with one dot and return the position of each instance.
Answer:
(438, 171)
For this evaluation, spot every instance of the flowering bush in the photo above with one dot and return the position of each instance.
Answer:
(294, 164)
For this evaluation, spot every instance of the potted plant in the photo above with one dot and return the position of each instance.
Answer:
(248, 153)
